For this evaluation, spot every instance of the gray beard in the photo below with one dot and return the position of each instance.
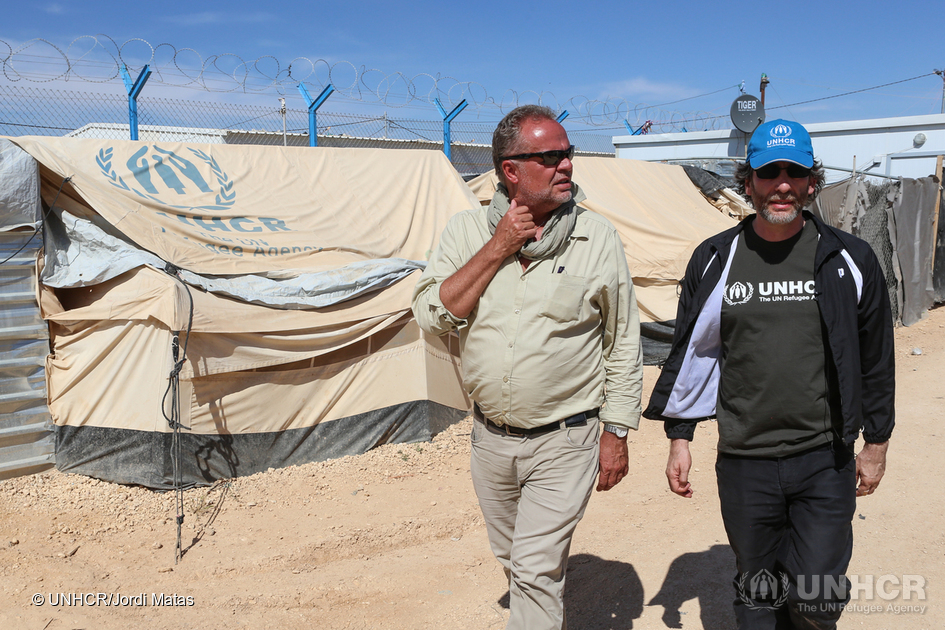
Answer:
(779, 219)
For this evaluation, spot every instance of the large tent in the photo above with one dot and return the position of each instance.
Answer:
(282, 277)
(284, 274)
(660, 214)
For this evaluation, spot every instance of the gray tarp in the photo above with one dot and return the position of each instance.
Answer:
(914, 212)
(896, 217)
(19, 188)
(85, 254)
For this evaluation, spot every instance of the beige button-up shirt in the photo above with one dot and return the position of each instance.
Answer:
(548, 342)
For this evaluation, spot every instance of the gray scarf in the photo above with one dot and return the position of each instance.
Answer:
(557, 228)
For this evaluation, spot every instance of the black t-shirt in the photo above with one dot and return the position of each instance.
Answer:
(776, 394)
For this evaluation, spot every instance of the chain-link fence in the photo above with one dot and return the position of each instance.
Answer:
(42, 111)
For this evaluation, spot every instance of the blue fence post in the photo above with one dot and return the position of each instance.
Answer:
(312, 108)
(562, 116)
(447, 119)
(643, 128)
(134, 89)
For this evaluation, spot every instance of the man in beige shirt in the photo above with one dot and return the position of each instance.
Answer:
(540, 294)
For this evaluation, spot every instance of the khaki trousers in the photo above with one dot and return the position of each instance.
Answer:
(532, 492)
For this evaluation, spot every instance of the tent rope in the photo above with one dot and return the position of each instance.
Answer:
(173, 420)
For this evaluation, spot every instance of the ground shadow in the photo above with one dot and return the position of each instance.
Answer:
(706, 576)
(600, 594)
(208, 511)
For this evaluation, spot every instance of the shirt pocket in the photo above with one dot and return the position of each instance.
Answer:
(564, 296)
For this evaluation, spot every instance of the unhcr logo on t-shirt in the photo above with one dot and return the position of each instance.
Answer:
(738, 293)
(780, 136)
(795, 287)
(787, 291)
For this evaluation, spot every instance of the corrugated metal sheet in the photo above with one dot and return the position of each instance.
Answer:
(27, 442)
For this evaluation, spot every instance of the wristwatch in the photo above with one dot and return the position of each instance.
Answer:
(620, 432)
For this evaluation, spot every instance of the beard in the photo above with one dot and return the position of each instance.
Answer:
(780, 218)
(540, 197)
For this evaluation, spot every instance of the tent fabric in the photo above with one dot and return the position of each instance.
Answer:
(709, 183)
(145, 293)
(731, 204)
(117, 454)
(896, 217)
(366, 236)
(197, 242)
(83, 254)
(938, 256)
(915, 242)
(230, 209)
(842, 204)
(395, 366)
(660, 215)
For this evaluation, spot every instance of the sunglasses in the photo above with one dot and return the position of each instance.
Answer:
(548, 158)
(773, 171)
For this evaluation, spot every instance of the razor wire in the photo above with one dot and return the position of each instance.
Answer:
(46, 111)
(99, 59)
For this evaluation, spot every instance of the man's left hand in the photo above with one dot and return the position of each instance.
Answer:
(614, 461)
(870, 467)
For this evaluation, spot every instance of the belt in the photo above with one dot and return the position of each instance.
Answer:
(576, 420)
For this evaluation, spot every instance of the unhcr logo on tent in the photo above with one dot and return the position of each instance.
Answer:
(165, 177)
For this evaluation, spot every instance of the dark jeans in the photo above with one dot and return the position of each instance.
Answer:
(789, 517)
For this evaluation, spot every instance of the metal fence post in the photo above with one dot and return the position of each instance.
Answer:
(644, 128)
(447, 119)
(134, 89)
(312, 108)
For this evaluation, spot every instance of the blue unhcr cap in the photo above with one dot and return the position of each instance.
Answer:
(780, 140)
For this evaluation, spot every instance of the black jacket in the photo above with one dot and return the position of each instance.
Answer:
(850, 290)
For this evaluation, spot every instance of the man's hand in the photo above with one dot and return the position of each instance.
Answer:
(677, 468)
(870, 467)
(515, 227)
(614, 461)
(461, 291)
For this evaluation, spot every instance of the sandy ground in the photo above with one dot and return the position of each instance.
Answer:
(394, 539)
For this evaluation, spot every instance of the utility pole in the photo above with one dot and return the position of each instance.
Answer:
(761, 88)
(941, 73)
(282, 111)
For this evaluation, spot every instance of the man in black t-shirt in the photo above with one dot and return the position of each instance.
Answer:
(784, 333)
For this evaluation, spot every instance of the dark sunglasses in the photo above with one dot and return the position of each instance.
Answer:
(549, 158)
(773, 171)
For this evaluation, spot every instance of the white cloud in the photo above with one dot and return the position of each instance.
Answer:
(218, 17)
(54, 9)
(640, 89)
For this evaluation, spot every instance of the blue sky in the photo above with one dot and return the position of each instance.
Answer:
(625, 53)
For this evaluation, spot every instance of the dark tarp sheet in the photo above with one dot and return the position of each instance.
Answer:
(143, 458)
